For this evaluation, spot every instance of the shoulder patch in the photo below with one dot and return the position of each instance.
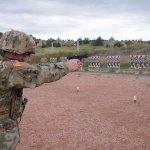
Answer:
(16, 63)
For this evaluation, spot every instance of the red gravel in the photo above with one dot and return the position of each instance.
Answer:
(101, 116)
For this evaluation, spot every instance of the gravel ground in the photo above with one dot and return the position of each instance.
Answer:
(88, 111)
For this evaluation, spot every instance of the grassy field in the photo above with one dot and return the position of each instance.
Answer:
(93, 50)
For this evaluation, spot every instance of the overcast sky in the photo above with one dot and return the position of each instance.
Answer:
(72, 19)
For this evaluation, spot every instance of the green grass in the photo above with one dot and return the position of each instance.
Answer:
(97, 50)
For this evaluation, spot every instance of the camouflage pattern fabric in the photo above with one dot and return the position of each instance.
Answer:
(14, 76)
(9, 137)
(17, 42)
(23, 75)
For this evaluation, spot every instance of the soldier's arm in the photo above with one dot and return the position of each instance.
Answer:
(56, 71)
(24, 75)
(51, 73)
(31, 76)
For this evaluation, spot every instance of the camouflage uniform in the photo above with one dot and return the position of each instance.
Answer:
(14, 76)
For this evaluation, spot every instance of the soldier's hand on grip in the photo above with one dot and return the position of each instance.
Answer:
(73, 65)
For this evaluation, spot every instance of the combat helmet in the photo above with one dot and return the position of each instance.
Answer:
(17, 42)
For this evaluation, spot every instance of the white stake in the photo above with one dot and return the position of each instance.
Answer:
(134, 98)
(77, 88)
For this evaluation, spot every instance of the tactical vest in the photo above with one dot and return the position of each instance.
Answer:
(12, 104)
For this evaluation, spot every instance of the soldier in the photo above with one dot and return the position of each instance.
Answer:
(15, 74)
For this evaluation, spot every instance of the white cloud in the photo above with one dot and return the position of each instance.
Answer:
(73, 19)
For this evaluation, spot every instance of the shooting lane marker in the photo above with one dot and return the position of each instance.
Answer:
(135, 98)
(77, 89)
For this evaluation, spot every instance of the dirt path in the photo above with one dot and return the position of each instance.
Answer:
(101, 116)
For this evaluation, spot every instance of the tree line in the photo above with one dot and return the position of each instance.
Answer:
(94, 42)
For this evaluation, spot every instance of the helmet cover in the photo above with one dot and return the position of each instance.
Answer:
(17, 42)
